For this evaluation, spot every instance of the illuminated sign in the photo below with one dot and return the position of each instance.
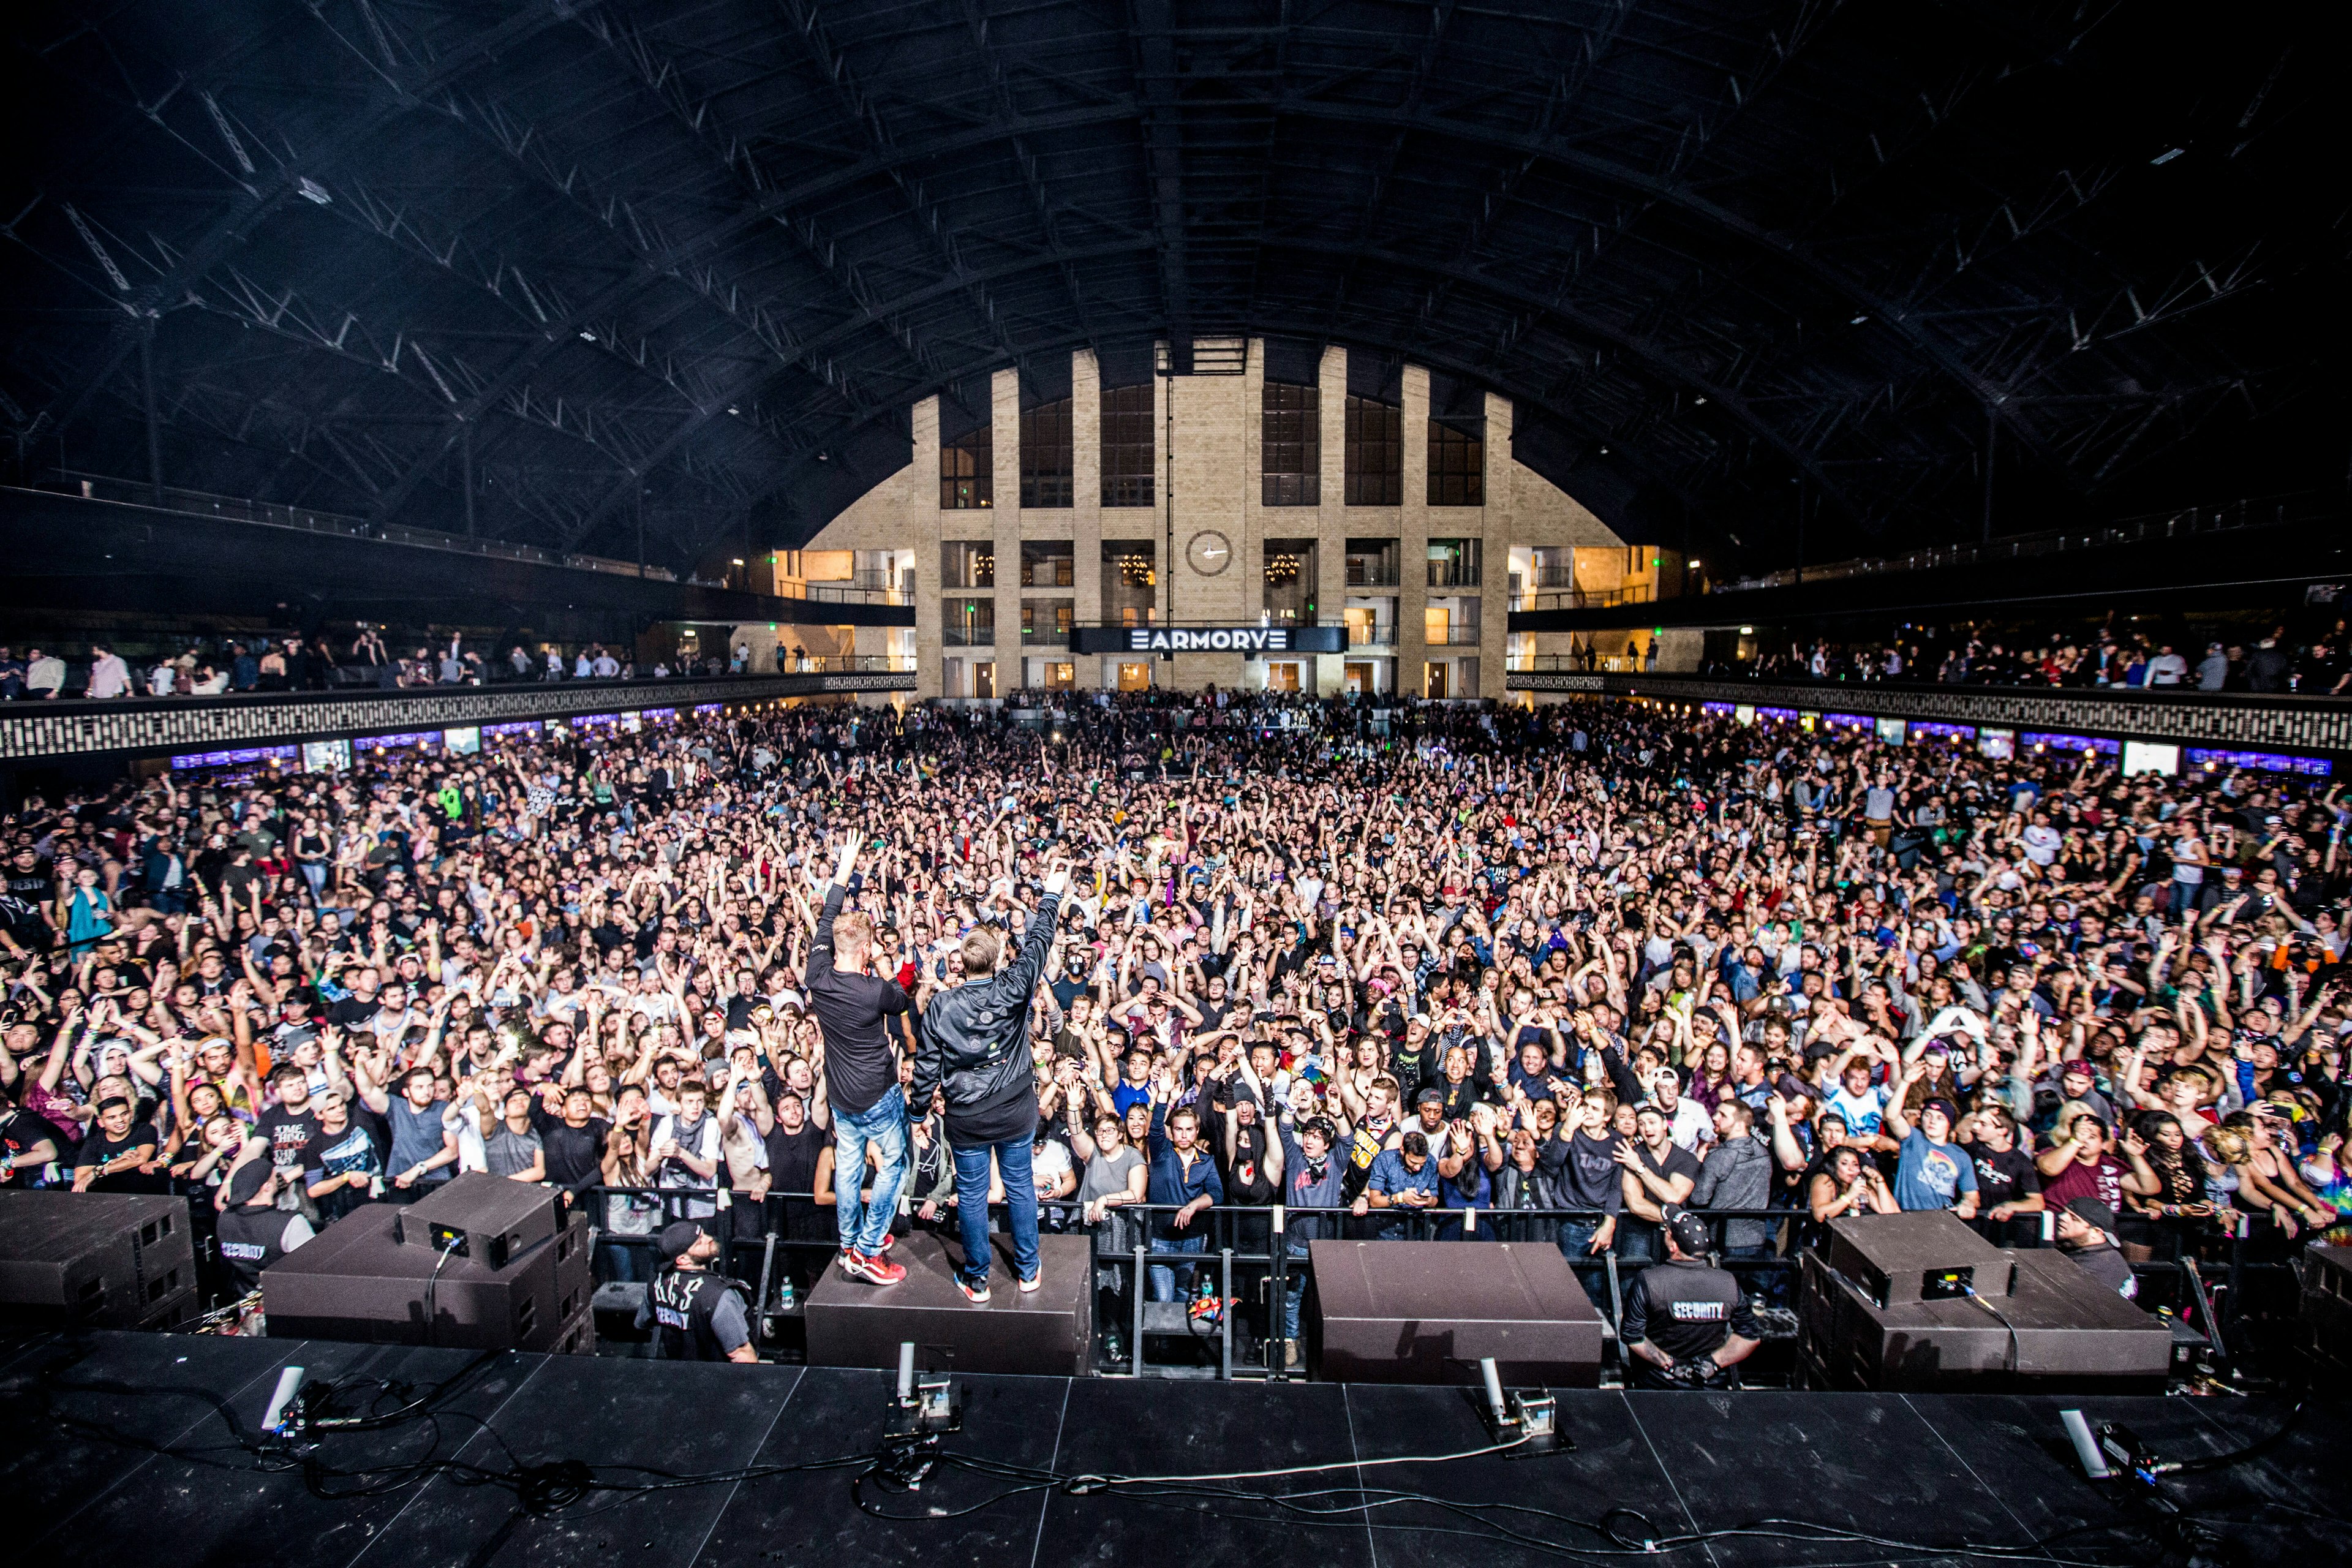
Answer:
(1253, 642)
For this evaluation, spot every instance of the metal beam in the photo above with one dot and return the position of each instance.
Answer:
(1163, 136)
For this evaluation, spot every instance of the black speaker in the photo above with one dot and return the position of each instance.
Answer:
(2326, 1301)
(115, 1260)
(1928, 1256)
(359, 1282)
(489, 1219)
(1428, 1311)
(2060, 1329)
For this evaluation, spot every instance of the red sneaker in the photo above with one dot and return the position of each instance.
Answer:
(874, 1270)
(889, 1241)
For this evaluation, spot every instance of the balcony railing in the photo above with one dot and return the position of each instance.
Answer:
(1452, 575)
(2253, 512)
(308, 519)
(1372, 573)
(1453, 634)
(980, 635)
(1372, 634)
(1045, 637)
(847, 663)
(1593, 598)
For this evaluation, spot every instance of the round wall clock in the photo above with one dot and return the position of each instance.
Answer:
(1209, 551)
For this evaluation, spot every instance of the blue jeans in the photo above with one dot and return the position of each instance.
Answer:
(1575, 1237)
(884, 1126)
(1019, 1203)
(621, 1262)
(1163, 1275)
(1293, 1290)
(1761, 1282)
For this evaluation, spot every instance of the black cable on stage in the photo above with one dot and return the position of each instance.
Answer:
(2252, 1450)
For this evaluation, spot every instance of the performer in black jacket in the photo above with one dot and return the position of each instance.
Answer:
(973, 1042)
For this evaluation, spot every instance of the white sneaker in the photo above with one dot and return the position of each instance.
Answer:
(1032, 1281)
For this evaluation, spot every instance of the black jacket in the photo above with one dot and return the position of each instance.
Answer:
(973, 1041)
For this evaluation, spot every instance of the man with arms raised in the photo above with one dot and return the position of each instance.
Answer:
(861, 1076)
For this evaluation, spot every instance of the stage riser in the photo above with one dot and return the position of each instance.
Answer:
(1048, 1333)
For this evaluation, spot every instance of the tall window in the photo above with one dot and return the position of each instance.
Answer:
(1047, 465)
(967, 471)
(968, 563)
(1127, 446)
(1457, 462)
(1375, 453)
(1290, 445)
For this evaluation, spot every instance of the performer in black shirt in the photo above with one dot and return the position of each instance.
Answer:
(861, 1077)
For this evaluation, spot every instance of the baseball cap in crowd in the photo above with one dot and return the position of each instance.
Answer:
(245, 1184)
(2093, 1213)
(1689, 1230)
(678, 1237)
(1431, 1095)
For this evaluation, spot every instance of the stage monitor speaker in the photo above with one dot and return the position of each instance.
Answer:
(115, 1260)
(491, 1219)
(1048, 1332)
(1928, 1256)
(358, 1282)
(2326, 1303)
(2064, 1330)
(1429, 1311)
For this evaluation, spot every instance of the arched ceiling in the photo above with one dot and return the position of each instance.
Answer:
(1737, 260)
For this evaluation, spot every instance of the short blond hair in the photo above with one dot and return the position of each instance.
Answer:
(854, 930)
(980, 951)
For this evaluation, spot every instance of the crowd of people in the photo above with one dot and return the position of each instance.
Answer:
(2113, 657)
(1611, 969)
(321, 662)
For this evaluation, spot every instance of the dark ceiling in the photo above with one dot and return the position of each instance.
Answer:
(1736, 262)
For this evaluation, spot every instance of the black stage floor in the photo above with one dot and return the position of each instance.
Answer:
(113, 1449)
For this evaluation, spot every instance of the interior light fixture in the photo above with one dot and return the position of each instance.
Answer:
(1859, 320)
(2159, 162)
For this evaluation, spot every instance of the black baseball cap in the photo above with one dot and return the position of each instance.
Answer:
(1689, 1230)
(678, 1237)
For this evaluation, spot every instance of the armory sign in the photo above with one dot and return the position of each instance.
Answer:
(1251, 641)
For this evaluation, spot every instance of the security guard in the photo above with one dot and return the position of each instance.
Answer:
(254, 1231)
(696, 1315)
(1686, 1323)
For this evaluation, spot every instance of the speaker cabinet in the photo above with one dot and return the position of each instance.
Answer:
(115, 1260)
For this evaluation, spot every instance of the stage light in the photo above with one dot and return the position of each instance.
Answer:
(1747, 631)
(1858, 321)
(312, 191)
(586, 336)
(2159, 162)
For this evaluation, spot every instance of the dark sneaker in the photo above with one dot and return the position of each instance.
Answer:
(975, 1294)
